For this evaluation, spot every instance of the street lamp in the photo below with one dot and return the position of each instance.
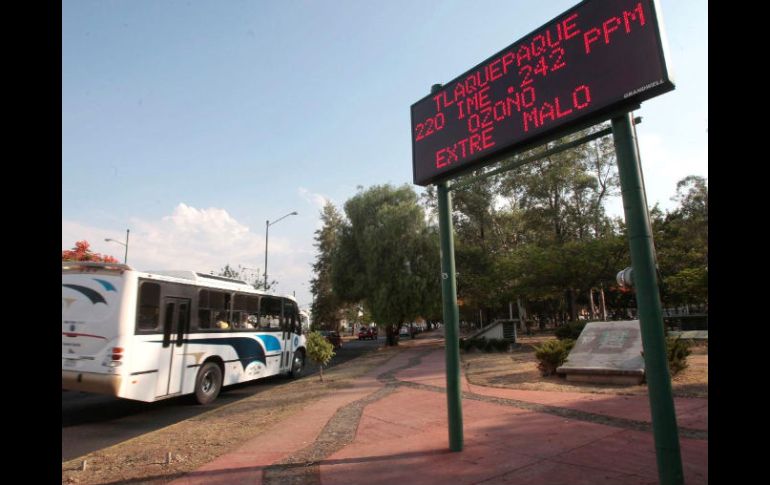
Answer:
(125, 257)
(267, 228)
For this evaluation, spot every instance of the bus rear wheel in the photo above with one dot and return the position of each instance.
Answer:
(208, 383)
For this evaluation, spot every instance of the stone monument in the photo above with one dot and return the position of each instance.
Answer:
(607, 353)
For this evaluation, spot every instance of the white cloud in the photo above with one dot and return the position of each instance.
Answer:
(201, 240)
(317, 200)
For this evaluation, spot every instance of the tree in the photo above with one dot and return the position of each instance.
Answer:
(387, 257)
(356, 314)
(241, 273)
(82, 252)
(320, 350)
(562, 198)
(681, 240)
(326, 304)
(485, 230)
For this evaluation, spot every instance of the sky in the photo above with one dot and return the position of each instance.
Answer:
(192, 123)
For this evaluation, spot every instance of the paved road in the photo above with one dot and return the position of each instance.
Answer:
(91, 422)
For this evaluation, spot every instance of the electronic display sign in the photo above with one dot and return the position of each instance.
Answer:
(591, 60)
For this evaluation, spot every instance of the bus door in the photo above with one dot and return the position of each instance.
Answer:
(289, 321)
(171, 363)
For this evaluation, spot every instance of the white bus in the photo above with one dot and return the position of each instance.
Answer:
(154, 335)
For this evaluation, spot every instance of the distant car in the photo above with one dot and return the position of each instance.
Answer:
(333, 338)
(404, 332)
(367, 333)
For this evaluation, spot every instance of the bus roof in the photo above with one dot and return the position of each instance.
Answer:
(81, 265)
(188, 276)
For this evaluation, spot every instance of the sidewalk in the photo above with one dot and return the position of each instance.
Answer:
(391, 427)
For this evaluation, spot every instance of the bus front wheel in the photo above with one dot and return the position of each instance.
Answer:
(298, 365)
(208, 383)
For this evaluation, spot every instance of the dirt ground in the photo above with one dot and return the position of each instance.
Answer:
(201, 439)
(518, 370)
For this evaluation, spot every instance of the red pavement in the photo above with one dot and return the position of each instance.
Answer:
(403, 438)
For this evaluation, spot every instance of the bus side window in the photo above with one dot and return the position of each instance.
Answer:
(204, 318)
(252, 307)
(220, 321)
(219, 304)
(290, 316)
(148, 313)
(214, 310)
(245, 312)
(270, 313)
(204, 314)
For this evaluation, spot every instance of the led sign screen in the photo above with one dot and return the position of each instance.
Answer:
(591, 60)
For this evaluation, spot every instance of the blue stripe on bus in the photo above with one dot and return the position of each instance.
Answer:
(106, 284)
(92, 295)
(247, 349)
(270, 342)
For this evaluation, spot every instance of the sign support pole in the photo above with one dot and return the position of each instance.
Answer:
(451, 316)
(664, 427)
(451, 319)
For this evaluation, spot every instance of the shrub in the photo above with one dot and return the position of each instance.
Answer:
(677, 350)
(320, 350)
(466, 344)
(551, 354)
(487, 345)
(490, 345)
(477, 343)
(503, 345)
(570, 331)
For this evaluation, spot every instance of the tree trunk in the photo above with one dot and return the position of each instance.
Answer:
(571, 305)
(591, 301)
(522, 312)
(321, 372)
(391, 335)
(604, 305)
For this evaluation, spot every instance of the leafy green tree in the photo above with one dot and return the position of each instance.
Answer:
(387, 257)
(563, 194)
(681, 239)
(486, 227)
(326, 305)
(356, 314)
(547, 204)
(561, 199)
(320, 350)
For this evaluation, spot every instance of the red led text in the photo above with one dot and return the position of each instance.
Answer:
(430, 126)
(596, 56)
(557, 108)
(620, 24)
(465, 147)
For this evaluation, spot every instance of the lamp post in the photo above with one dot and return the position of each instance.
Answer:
(267, 228)
(125, 256)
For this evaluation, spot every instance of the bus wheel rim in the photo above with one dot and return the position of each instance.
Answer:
(208, 383)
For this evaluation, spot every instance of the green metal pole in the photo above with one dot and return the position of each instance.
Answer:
(451, 315)
(451, 319)
(664, 427)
